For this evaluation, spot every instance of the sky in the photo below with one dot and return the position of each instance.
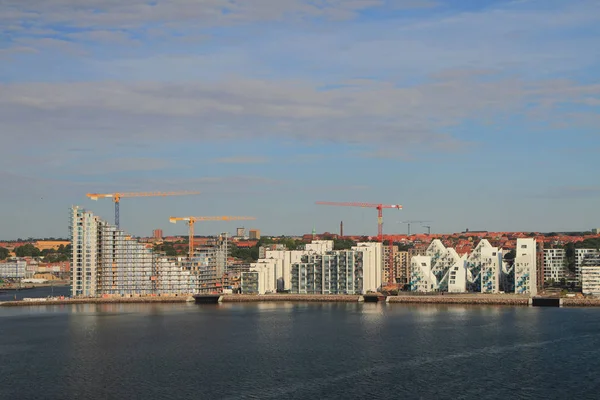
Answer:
(478, 114)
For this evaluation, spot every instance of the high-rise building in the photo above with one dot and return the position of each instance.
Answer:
(108, 262)
(525, 267)
(240, 232)
(254, 234)
(157, 234)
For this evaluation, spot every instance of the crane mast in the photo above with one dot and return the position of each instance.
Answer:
(116, 197)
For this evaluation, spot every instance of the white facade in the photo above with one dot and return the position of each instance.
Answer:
(491, 269)
(590, 274)
(525, 267)
(106, 261)
(84, 228)
(13, 269)
(319, 246)
(554, 264)
(422, 278)
(372, 264)
(274, 271)
(579, 255)
(457, 275)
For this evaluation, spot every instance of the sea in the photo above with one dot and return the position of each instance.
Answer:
(298, 351)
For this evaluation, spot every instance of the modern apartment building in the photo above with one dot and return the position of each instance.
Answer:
(579, 256)
(13, 269)
(335, 272)
(554, 264)
(525, 267)
(108, 262)
(319, 267)
(590, 274)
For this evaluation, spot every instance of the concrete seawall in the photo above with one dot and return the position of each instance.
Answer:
(113, 300)
(507, 299)
(452, 299)
(290, 297)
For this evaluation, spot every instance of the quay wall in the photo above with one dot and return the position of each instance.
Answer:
(240, 298)
(107, 300)
(509, 300)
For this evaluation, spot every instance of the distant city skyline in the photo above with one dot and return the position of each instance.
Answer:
(479, 115)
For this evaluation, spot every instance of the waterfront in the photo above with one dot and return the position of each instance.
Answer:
(297, 350)
(37, 292)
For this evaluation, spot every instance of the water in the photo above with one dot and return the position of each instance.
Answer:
(298, 351)
(9, 295)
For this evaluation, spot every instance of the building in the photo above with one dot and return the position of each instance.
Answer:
(590, 274)
(286, 270)
(108, 262)
(372, 265)
(13, 269)
(443, 269)
(157, 234)
(334, 272)
(579, 256)
(240, 233)
(422, 278)
(402, 264)
(554, 264)
(254, 234)
(525, 267)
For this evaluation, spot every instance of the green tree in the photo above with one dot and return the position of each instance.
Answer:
(343, 244)
(3, 253)
(27, 250)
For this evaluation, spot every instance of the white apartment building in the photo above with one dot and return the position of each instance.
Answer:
(554, 264)
(490, 268)
(372, 264)
(525, 267)
(106, 261)
(13, 269)
(590, 274)
(274, 272)
(332, 272)
(422, 278)
(84, 228)
(579, 256)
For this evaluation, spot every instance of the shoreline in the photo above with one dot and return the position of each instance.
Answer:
(453, 299)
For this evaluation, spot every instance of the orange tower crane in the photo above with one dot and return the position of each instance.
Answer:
(116, 197)
(192, 220)
(379, 208)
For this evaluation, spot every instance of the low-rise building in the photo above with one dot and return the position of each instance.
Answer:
(13, 269)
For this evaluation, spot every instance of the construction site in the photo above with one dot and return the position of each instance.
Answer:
(107, 262)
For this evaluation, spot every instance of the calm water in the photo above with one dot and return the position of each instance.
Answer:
(298, 351)
(8, 295)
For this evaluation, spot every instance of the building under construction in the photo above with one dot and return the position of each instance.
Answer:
(108, 262)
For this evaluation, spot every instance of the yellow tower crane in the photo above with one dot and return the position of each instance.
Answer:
(116, 197)
(192, 220)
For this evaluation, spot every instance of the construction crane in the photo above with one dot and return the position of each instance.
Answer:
(116, 197)
(379, 208)
(428, 229)
(192, 220)
(412, 222)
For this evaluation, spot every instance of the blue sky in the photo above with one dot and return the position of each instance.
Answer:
(471, 114)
